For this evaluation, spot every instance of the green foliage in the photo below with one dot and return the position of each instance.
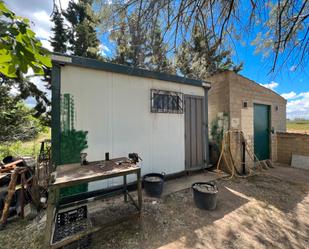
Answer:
(21, 51)
(138, 46)
(158, 57)
(202, 57)
(19, 48)
(72, 144)
(130, 38)
(217, 129)
(24, 148)
(281, 25)
(81, 33)
(60, 37)
(16, 120)
(216, 132)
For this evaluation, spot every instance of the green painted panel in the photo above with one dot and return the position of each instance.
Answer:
(72, 142)
(261, 131)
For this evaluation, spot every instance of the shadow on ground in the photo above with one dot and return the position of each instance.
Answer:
(269, 210)
(262, 211)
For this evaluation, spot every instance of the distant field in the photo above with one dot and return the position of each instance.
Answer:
(299, 126)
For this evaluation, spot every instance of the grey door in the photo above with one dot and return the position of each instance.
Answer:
(194, 137)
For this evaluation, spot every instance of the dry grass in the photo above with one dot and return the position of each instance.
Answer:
(298, 126)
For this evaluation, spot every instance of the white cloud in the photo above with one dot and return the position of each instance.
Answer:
(272, 85)
(38, 12)
(46, 44)
(293, 68)
(304, 94)
(103, 49)
(298, 107)
(290, 95)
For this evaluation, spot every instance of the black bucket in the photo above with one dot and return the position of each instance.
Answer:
(153, 184)
(205, 195)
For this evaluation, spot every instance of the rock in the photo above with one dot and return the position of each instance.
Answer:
(30, 211)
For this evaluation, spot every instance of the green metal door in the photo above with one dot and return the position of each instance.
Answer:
(261, 131)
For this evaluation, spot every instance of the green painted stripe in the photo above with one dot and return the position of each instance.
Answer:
(55, 124)
(122, 69)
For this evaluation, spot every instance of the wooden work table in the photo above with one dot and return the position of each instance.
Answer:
(75, 174)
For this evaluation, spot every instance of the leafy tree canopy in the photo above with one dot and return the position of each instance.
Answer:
(16, 120)
(60, 37)
(82, 35)
(19, 48)
(202, 56)
(139, 47)
(282, 26)
(21, 54)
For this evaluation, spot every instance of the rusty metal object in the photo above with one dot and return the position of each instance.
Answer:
(10, 166)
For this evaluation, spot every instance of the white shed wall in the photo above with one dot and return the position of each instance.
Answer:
(115, 110)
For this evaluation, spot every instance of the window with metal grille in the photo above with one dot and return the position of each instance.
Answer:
(166, 101)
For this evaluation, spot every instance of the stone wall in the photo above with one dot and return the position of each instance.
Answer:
(291, 143)
(218, 97)
(227, 95)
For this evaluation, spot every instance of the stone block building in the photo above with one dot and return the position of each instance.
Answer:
(248, 107)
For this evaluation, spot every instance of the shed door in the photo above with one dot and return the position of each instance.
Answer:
(261, 131)
(194, 157)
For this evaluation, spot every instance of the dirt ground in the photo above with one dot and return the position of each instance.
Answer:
(299, 131)
(268, 210)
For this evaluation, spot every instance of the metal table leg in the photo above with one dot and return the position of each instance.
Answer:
(125, 188)
(139, 190)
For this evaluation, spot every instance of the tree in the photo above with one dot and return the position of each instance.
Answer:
(282, 24)
(120, 35)
(20, 50)
(202, 56)
(16, 119)
(158, 58)
(131, 41)
(60, 38)
(82, 34)
(138, 47)
(21, 53)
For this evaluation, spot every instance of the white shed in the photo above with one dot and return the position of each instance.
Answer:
(119, 109)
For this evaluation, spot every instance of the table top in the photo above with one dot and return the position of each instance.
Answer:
(71, 174)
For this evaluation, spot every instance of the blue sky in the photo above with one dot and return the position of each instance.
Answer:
(291, 84)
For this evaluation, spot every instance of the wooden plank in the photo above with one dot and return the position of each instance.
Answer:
(8, 199)
(199, 132)
(193, 133)
(50, 212)
(187, 134)
(75, 173)
(89, 177)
